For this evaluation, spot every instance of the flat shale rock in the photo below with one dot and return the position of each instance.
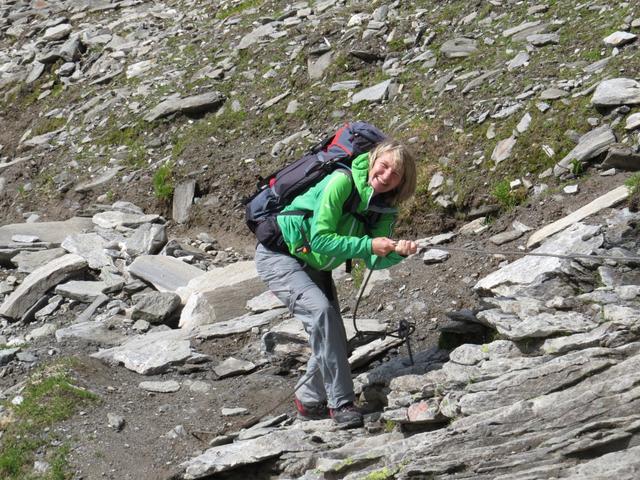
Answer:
(167, 274)
(227, 457)
(150, 353)
(195, 104)
(52, 232)
(37, 283)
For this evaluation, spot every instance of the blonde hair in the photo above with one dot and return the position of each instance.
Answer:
(403, 161)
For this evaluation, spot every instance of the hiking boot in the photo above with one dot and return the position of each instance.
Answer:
(315, 411)
(347, 416)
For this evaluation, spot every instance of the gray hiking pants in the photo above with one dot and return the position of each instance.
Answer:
(311, 297)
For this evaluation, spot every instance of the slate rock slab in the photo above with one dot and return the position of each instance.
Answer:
(528, 270)
(83, 291)
(233, 366)
(114, 219)
(92, 332)
(167, 274)
(194, 104)
(89, 246)
(37, 283)
(154, 307)
(51, 232)
(590, 146)
(227, 457)
(27, 262)
(616, 92)
(150, 353)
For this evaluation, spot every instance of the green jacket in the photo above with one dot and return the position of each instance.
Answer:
(333, 235)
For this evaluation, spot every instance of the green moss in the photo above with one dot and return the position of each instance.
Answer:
(383, 474)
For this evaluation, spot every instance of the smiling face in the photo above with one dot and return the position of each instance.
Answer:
(384, 174)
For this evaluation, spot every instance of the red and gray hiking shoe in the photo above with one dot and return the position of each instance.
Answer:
(347, 416)
(317, 411)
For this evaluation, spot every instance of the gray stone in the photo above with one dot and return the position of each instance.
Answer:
(59, 32)
(529, 269)
(220, 294)
(47, 330)
(233, 411)
(317, 65)
(506, 237)
(115, 219)
(434, 255)
(263, 302)
(51, 307)
(147, 239)
(232, 367)
(540, 40)
(542, 325)
(605, 201)
(195, 104)
(458, 47)
(37, 283)
(182, 200)
(151, 353)
(376, 93)
(50, 232)
(27, 262)
(345, 85)
(520, 60)
(102, 179)
(615, 92)
(116, 422)
(169, 386)
(633, 121)
(618, 39)
(227, 457)
(37, 69)
(553, 94)
(476, 82)
(242, 324)
(154, 307)
(167, 274)
(503, 150)
(523, 124)
(520, 28)
(91, 332)
(623, 158)
(590, 146)
(83, 291)
(256, 35)
(89, 246)
(7, 354)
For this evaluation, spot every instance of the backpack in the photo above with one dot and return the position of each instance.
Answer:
(277, 190)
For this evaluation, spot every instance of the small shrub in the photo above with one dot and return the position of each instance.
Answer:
(506, 197)
(633, 184)
(163, 182)
(576, 167)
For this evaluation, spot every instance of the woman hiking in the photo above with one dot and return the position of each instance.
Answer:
(319, 242)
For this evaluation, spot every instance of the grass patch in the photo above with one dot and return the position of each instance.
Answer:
(234, 10)
(163, 182)
(633, 184)
(49, 398)
(48, 125)
(506, 197)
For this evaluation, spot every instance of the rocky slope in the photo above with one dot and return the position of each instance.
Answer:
(142, 125)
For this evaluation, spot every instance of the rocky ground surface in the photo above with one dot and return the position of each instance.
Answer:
(133, 129)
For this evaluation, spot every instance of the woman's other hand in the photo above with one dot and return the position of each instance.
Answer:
(406, 247)
(383, 246)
